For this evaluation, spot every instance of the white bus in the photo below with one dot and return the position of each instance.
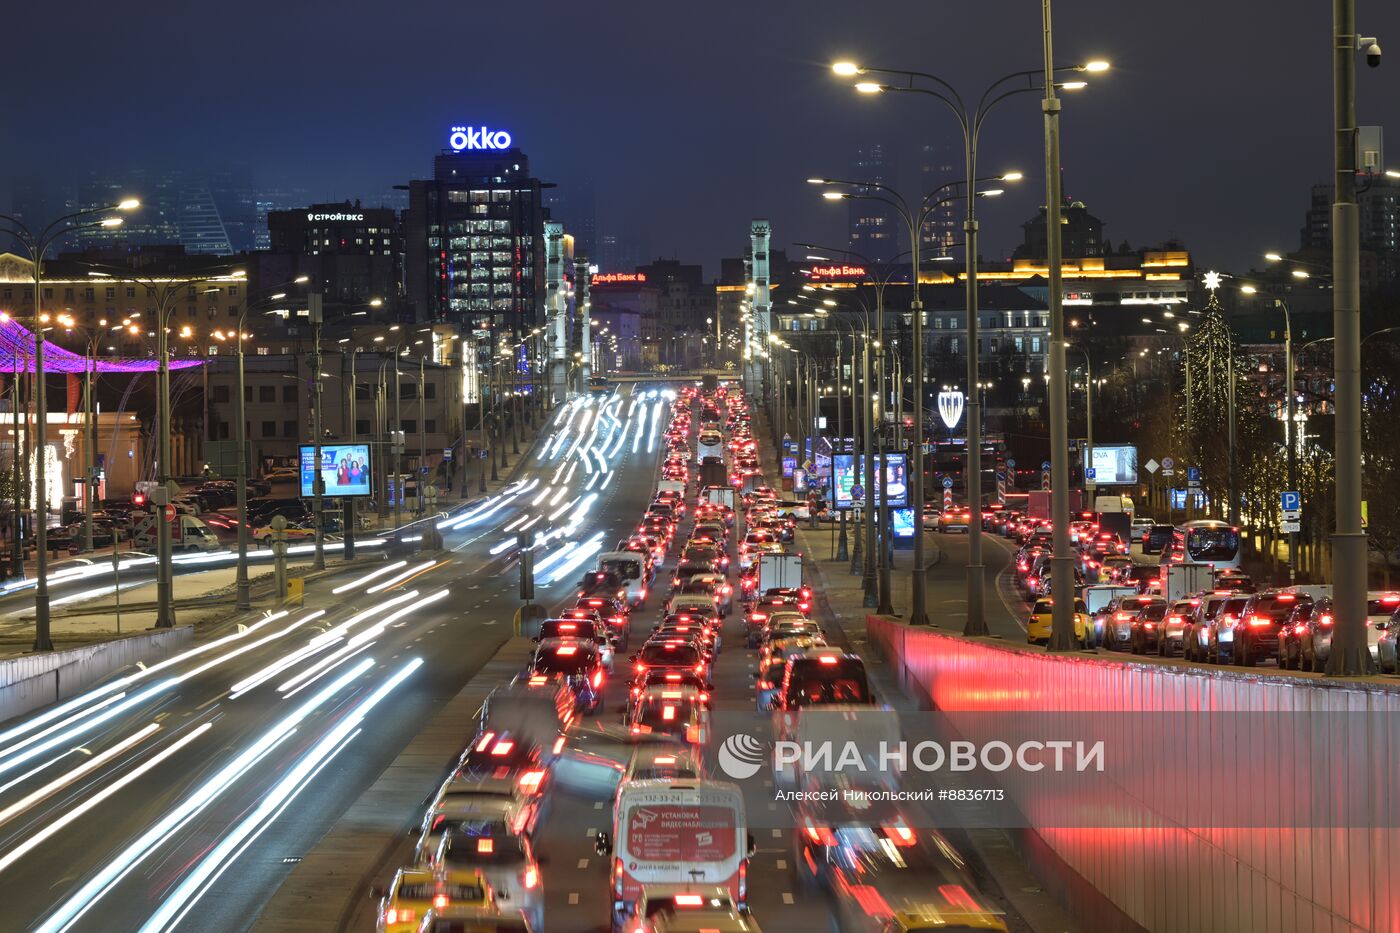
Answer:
(1207, 541)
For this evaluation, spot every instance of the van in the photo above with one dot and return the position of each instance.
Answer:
(673, 832)
(1115, 504)
(631, 568)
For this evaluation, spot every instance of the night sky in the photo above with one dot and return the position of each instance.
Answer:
(691, 119)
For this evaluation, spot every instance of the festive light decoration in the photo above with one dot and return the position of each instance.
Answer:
(17, 355)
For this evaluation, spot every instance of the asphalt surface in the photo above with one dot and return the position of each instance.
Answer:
(174, 799)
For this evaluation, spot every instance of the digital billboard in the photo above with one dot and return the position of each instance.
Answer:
(896, 474)
(902, 521)
(345, 470)
(1113, 464)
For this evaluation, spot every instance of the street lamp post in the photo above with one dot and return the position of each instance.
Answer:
(1350, 653)
(971, 123)
(37, 245)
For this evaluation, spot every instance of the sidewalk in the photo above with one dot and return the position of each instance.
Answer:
(206, 599)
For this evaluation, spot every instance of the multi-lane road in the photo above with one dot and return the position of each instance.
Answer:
(170, 798)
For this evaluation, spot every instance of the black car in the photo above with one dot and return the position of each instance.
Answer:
(1156, 538)
(1260, 626)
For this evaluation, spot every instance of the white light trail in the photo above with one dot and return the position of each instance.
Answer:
(188, 892)
(117, 866)
(401, 576)
(368, 577)
(86, 768)
(44, 833)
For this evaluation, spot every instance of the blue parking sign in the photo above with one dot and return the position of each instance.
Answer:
(1290, 501)
(1090, 473)
(1193, 474)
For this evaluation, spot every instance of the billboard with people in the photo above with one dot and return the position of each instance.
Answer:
(345, 470)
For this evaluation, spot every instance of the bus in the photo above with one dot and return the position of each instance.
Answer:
(1206, 541)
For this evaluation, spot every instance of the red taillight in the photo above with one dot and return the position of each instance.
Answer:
(400, 915)
(531, 878)
(617, 877)
(597, 679)
(486, 846)
(1326, 620)
(441, 901)
(640, 667)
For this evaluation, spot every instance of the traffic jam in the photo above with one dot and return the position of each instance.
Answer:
(1178, 591)
(595, 793)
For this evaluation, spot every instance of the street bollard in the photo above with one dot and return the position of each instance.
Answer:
(279, 554)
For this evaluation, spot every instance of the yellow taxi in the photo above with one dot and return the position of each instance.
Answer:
(416, 891)
(1038, 625)
(943, 920)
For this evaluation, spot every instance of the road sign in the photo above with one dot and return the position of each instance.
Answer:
(1290, 528)
(947, 482)
(1011, 464)
(1045, 466)
(1045, 479)
(807, 465)
(1091, 473)
(169, 513)
(1168, 463)
(1152, 466)
(447, 453)
(1193, 473)
(857, 491)
(1290, 501)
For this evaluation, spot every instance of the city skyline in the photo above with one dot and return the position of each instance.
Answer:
(734, 144)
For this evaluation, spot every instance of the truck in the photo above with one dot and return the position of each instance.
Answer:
(1115, 503)
(710, 444)
(671, 485)
(675, 832)
(1038, 503)
(1117, 524)
(719, 495)
(1181, 580)
(777, 571)
(712, 471)
(187, 533)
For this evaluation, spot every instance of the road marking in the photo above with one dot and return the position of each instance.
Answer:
(597, 804)
(780, 864)
(573, 897)
(589, 833)
(787, 898)
(777, 834)
(772, 806)
(583, 863)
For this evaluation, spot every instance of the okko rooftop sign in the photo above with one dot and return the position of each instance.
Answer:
(478, 138)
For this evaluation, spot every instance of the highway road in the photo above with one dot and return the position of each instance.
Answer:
(168, 799)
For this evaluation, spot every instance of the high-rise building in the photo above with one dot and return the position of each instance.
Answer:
(474, 238)
(938, 165)
(1378, 206)
(214, 211)
(873, 227)
(274, 199)
(352, 254)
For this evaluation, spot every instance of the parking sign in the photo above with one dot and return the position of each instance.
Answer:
(1290, 501)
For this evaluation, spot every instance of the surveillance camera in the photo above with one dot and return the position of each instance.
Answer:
(1373, 50)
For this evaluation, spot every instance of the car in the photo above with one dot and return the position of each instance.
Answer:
(1380, 612)
(455, 918)
(1144, 629)
(282, 475)
(823, 677)
(408, 898)
(1038, 626)
(494, 806)
(663, 763)
(689, 907)
(589, 630)
(669, 712)
(504, 861)
(670, 654)
(1118, 616)
(1261, 621)
(1156, 538)
(1212, 627)
(1171, 633)
(894, 879)
(265, 534)
(578, 664)
(955, 519)
(1140, 528)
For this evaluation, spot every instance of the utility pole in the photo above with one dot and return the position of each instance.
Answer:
(1350, 653)
(1062, 560)
(315, 314)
